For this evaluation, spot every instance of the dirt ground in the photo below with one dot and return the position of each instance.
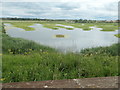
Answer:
(99, 82)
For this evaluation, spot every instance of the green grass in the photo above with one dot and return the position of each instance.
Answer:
(54, 66)
(108, 26)
(23, 25)
(69, 28)
(60, 36)
(117, 35)
(112, 50)
(50, 25)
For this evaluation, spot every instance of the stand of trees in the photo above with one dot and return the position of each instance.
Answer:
(85, 21)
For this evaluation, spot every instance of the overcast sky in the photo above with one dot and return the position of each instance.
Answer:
(62, 9)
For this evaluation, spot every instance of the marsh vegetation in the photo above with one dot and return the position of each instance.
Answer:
(25, 60)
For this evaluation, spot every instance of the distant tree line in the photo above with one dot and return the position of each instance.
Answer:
(96, 21)
(85, 21)
(22, 19)
(15, 18)
(66, 20)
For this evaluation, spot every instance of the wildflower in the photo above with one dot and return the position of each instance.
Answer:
(41, 50)
(30, 49)
(19, 50)
(26, 53)
(2, 79)
(45, 52)
(9, 50)
(65, 74)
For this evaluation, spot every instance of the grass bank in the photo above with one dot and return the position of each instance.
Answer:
(12, 45)
(117, 35)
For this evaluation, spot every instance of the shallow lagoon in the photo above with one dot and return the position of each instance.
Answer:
(72, 40)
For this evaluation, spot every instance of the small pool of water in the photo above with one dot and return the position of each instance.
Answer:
(74, 40)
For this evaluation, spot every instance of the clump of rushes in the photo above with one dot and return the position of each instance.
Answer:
(23, 25)
(60, 36)
(55, 28)
(69, 28)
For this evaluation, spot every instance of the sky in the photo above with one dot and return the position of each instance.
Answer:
(61, 9)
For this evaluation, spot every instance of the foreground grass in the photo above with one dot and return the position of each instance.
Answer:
(54, 66)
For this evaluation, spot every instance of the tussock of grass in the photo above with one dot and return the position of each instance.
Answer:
(117, 35)
(54, 66)
(23, 25)
(69, 28)
(60, 36)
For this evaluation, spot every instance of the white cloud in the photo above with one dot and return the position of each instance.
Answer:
(82, 1)
(92, 9)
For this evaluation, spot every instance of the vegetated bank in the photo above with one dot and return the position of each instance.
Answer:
(25, 60)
